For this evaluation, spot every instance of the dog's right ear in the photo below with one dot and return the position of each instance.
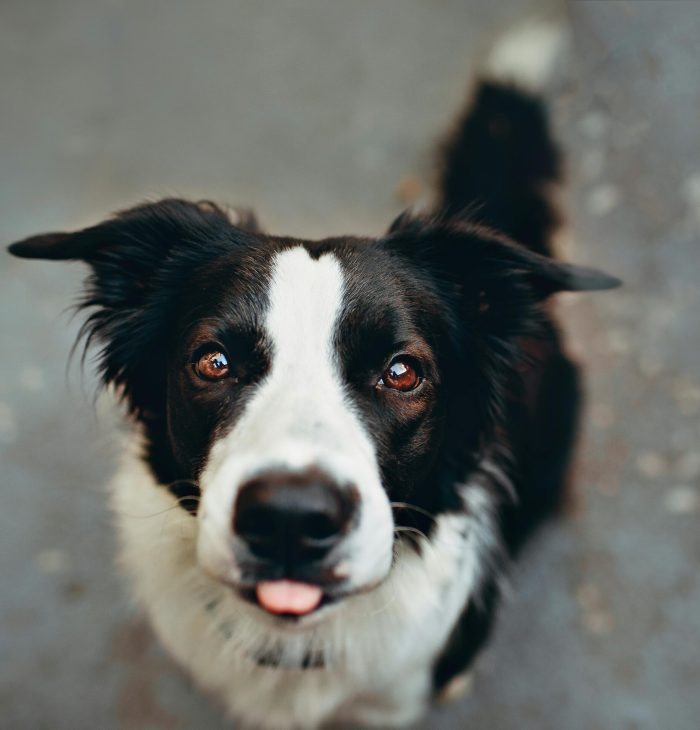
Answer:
(149, 228)
(137, 259)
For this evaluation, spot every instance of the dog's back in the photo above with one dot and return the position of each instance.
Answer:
(501, 168)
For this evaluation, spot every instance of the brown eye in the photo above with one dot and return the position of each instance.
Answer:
(212, 365)
(401, 375)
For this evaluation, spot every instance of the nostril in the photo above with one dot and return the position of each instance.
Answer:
(254, 523)
(293, 518)
(320, 527)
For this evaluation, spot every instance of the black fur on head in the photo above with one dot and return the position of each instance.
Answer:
(470, 294)
(497, 291)
(140, 260)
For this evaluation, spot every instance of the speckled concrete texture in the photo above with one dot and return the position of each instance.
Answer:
(324, 116)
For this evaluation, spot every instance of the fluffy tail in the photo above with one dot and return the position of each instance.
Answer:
(501, 162)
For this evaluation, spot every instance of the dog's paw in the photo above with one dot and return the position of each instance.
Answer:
(456, 688)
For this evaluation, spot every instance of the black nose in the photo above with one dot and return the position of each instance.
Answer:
(293, 518)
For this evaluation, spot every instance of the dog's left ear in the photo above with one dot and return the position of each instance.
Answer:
(547, 275)
(137, 258)
(497, 288)
(474, 254)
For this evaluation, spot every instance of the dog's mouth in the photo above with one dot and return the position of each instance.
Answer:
(294, 600)
(288, 597)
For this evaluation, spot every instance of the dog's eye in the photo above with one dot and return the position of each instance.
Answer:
(401, 375)
(212, 365)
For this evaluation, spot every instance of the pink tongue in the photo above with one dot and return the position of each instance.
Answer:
(288, 596)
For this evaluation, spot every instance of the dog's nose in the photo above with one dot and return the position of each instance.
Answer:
(293, 518)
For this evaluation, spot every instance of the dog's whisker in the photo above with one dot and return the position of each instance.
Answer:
(132, 515)
(179, 502)
(411, 530)
(383, 608)
(406, 505)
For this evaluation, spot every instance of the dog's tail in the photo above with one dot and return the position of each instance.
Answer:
(500, 163)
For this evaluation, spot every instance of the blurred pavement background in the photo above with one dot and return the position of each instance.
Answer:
(324, 117)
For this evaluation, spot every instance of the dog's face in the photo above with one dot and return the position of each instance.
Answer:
(304, 398)
(318, 400)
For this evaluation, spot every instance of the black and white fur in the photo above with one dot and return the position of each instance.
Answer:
(449, 480)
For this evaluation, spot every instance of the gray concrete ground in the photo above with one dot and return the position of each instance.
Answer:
(324, 115)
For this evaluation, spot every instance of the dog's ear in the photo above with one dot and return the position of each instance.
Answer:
(145, 231)
(480, 257)
(499, 283)
(137, 259)
(496, 289)
(546, 275)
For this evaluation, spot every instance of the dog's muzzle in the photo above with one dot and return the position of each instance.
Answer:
(288, 532)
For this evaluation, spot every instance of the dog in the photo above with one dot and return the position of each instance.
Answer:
(338, 445)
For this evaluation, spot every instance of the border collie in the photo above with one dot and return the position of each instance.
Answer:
(338, 445)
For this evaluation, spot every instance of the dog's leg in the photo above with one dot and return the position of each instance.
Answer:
(456, 688)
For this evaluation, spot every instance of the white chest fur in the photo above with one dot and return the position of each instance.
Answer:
(377, 649)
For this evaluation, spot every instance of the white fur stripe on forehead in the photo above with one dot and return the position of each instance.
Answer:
(315, 423)
(306, 296)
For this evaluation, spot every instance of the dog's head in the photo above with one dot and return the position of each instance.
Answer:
(308, 401)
